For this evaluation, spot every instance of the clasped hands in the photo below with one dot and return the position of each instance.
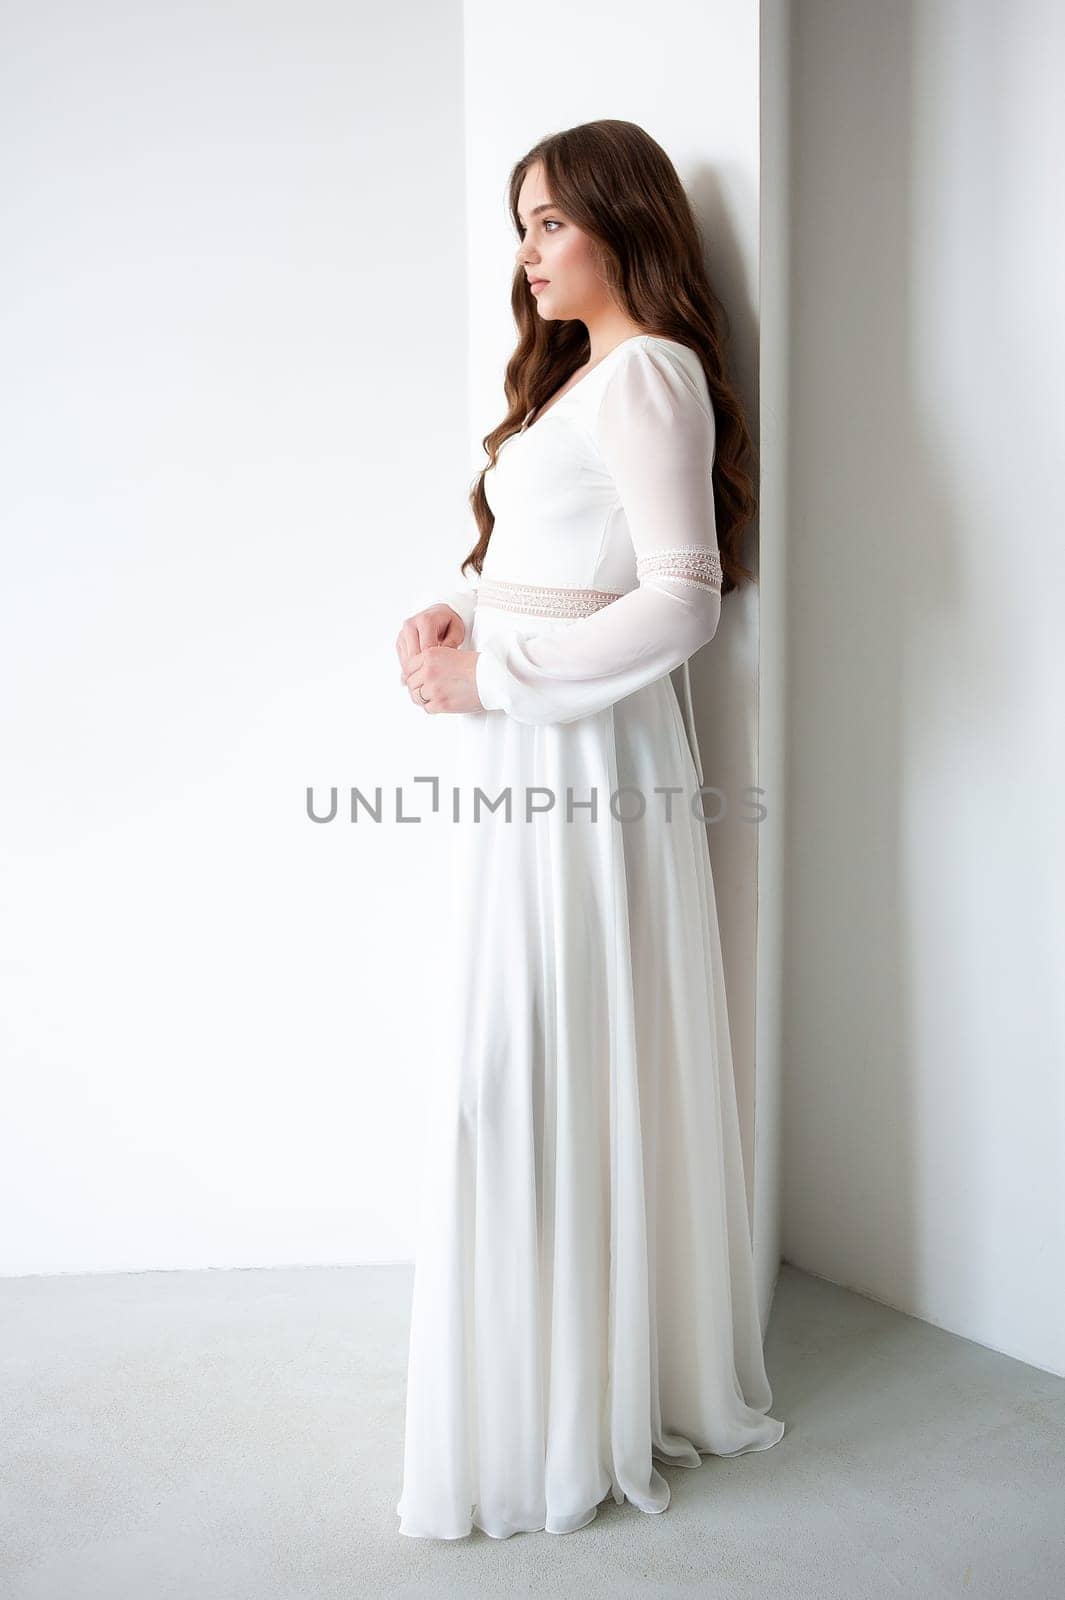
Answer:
(438, 675)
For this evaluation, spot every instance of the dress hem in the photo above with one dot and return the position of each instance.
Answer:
(619, 1498)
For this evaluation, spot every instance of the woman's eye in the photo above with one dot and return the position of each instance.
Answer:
(549, 222)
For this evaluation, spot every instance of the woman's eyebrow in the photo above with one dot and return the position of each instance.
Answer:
(548, 205)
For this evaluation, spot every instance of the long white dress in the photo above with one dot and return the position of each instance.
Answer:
(584, 1298)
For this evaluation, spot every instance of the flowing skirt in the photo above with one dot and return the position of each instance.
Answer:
(584, 1298)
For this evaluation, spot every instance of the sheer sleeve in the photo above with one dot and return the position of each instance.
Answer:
(656, 436)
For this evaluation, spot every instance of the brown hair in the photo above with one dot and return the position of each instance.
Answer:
(620, 187)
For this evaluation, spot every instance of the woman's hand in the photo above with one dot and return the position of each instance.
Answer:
(438, 624)
(438, 675)
(441, 678)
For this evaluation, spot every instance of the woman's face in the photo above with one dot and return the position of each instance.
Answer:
(554, 250)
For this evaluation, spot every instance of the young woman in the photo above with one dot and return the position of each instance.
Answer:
(584, 1299)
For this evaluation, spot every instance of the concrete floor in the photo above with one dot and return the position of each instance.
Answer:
(238, 1436)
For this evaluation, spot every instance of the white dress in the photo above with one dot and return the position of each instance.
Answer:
(584, 1298)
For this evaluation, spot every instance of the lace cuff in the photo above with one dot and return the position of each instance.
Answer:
(697, 564)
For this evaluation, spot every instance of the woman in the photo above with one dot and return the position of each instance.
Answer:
(584, 1295)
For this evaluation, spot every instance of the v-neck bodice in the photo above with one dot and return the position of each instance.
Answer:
(554, 400)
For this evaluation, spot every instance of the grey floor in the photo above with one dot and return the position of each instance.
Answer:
(238, 1436)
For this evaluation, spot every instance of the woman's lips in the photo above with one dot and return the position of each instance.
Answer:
(535, 284)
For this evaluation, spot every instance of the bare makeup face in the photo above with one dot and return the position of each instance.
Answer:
(557, 257)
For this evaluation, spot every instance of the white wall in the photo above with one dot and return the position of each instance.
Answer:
(689, 74)
(234, 262)
(240, 303)
(237, 305)
(924, 1024)
(773, 541)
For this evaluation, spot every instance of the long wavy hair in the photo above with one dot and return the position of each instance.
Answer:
(620, 188)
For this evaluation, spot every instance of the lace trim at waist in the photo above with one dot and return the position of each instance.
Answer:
(540, 600)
